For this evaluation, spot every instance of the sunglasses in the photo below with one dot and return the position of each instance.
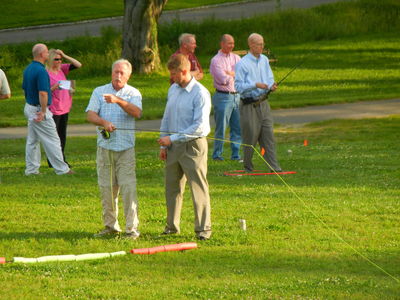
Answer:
(57, 59)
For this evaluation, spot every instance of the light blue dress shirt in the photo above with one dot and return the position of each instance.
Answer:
(250, 70)
(119, 139)
(187, 113)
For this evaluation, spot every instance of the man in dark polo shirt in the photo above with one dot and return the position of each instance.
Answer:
(41, 126)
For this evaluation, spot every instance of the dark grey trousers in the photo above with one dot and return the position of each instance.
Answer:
(257, 126)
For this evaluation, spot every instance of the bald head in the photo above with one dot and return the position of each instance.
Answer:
(38, 49)
(226, 37)
(40, 53)
(256, 44)
(227, 43)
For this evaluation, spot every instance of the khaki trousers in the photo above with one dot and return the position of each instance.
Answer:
(188, 161)
(257, 126)
(116, 173)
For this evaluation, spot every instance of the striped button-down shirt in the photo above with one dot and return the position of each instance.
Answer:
(119, 139)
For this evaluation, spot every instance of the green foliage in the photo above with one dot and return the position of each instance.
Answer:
(347, 176)
(344, 70)
(24, 13)
(352, 51)
(288, 27)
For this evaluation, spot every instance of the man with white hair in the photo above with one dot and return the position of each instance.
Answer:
(253, 80)
(187, 46)
(41, 126)
(113, 106)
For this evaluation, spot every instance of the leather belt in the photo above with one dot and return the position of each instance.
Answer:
(226, 92)
(254, 101)
(248, 100)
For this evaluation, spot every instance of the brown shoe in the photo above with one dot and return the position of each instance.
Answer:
(131, 236)
(106, 232)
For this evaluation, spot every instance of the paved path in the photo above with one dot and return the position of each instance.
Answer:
(292, 116)
(93, 27)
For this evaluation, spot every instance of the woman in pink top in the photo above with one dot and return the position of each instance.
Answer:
(61, 91)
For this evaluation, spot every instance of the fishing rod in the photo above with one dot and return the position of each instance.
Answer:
(106, 134)
(265, 96)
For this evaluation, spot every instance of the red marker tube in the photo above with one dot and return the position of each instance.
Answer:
(165, 248)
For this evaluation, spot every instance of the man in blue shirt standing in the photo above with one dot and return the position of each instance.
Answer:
(253, 80)
(184, 147)
(113, 106)
(41, 126)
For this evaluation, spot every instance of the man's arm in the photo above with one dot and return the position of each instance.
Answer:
(221, 76)
(242, 81)
(5, 96)
(5, 92)
(129, 108)
(43, 98)
(198, 72)
(95, 119)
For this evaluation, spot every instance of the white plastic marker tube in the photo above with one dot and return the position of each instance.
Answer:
(70, 257)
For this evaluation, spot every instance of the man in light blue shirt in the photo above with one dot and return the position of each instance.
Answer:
(184, 147)
(253, 79)
(113, 106)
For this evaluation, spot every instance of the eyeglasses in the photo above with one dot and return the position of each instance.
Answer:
(57, 59)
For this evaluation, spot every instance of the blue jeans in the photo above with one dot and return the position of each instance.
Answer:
(226, 111)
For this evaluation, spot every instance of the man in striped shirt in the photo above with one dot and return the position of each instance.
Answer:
(226, 99)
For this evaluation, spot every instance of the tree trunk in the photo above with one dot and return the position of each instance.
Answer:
(140, 45)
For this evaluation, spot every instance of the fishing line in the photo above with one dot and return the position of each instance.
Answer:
(332, 231)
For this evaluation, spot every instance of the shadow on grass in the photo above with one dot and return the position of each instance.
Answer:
(66, 235)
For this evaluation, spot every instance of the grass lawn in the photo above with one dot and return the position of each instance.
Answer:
(23, 13)
(338, 71)
(348, 177)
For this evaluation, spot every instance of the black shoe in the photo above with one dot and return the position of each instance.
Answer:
(203, 238)
(167, 232)
(106, 232)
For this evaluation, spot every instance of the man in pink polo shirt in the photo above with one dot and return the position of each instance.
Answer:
(226, 99)
(187, 46)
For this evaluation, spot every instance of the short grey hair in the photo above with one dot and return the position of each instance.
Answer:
(184, 38)
(38, 49)
(122, 61)
(253, 37)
